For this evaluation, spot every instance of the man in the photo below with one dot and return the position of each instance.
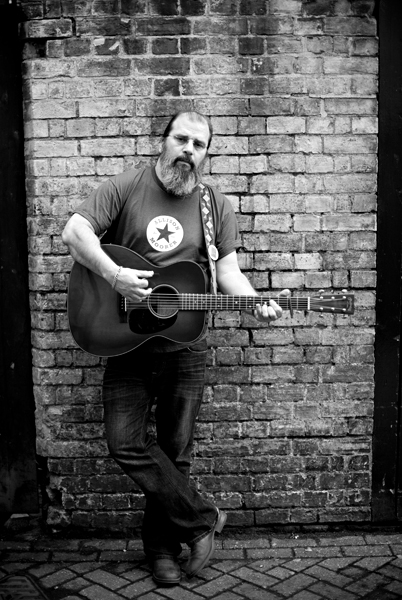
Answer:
(156, 212)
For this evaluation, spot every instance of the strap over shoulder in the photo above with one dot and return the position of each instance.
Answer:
(209, 233)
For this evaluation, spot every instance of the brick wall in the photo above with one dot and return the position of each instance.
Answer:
(285, 430)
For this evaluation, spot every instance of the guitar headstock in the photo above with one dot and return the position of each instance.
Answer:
(341, 303)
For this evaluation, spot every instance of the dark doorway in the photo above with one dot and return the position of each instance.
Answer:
(18, 488)
(387, 457)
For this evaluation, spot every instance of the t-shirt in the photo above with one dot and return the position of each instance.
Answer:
(137, 212)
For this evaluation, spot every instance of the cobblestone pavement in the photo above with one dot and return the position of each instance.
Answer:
(262, 566)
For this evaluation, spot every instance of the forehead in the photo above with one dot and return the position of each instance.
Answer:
(195, 129)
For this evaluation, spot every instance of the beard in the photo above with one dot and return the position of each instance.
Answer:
(177, 179)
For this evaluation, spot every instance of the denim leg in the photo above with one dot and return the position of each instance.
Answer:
(175, 511)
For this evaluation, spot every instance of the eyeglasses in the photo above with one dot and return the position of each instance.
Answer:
(182, 140)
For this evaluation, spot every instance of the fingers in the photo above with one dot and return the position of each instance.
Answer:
(134, 284)
(270, 311)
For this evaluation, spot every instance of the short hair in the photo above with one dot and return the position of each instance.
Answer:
(193, 115)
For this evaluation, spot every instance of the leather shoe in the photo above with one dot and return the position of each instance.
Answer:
(203, 549)
(166, 571)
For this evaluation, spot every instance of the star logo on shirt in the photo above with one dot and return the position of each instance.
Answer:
(164, 233)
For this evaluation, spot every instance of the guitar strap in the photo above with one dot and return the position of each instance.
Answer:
(209, 233)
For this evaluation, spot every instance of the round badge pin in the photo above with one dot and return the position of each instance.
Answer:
(213, 252)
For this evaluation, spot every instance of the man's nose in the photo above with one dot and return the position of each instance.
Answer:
(189, 146)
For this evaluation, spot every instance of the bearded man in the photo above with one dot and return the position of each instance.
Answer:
(156, 212)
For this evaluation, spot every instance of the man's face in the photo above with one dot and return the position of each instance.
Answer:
(183, 155)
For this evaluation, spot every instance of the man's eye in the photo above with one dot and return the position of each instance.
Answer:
(180, 139)
(199, 145)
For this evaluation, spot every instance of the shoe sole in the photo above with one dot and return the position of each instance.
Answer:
(166, 582)
(220, 524)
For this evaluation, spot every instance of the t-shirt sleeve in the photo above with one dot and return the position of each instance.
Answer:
(102, 207)
(105, 204)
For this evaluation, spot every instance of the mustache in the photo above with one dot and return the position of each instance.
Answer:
(185, 159)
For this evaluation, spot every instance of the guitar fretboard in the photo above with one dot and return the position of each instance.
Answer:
(220, 302)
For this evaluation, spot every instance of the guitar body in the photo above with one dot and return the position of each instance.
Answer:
(100, 325)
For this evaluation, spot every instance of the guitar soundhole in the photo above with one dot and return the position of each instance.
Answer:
(164, 301)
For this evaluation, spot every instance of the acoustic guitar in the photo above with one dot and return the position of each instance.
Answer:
(104, 323)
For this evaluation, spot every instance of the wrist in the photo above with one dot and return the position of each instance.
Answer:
(116, 277)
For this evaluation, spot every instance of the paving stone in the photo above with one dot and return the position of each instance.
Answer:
(380, 550)
(229, 554)
(393, 572)
(26, 557)
(96, 592)
(390, 538)
(324, 574)
(218, 585)
(15, 567)
(42, 570)
(106, 579)
(300, 564)
(368, 583)
(336, 564)
(74, 557)
(105, 545)
(280, 573)
(329, 592)
(119, 555)
(395, 587)
(64, 545)
(351, 540)
(85, 567)
(373, 562)
(265, 565)
(228, 596)
(254, 577)
(353, 572)
(14, 545)
(76, 584)
(293, 584)
(306, 595)
(139, 587)
(313, 552)
(178, 593)
(252, 592)
(134, 574)
(56, 578)
(293, 542)
(228, 565)
(257, 543)
(254, 553)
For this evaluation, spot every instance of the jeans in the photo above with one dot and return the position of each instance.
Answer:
(175, 512)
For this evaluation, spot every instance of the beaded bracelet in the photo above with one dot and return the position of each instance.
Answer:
(116, 277)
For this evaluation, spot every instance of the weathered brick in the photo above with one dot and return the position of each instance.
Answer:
(106, 67)
(163, 26)
(48, 28)
(99, 26)
(77, 47)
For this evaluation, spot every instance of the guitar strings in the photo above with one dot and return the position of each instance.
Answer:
(205, 301)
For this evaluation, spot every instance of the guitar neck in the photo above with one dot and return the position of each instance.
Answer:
(167, 303)
(227, 302)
